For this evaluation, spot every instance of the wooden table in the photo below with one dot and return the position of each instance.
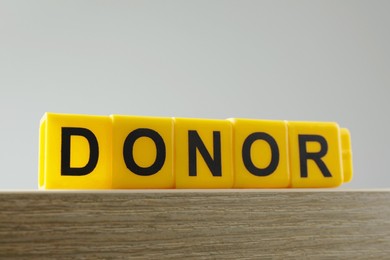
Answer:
(195, 223)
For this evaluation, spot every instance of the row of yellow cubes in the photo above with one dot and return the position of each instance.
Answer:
(138, 152)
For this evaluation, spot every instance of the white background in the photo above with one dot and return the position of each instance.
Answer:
(293, 60)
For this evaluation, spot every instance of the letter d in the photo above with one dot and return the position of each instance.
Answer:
(66, 169)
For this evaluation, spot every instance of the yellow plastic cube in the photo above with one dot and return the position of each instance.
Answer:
(315, 154)
(75, 152)
(346, 154)
(203, 153)
(260, 154)
(142, 152)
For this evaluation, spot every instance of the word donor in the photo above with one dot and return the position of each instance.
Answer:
(139, 152)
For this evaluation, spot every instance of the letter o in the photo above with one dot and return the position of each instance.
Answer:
(128, 152)
(246, 154)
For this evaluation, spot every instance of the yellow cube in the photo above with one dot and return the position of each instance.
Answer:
(315, 154)
(346, 154)
(75, 152)
(142, 152)
(203, 153)
(260, 154)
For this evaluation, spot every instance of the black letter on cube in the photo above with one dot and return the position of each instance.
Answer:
(316, 157)
(246, 154)
(128, 152)
(66, 169)
(194, 142)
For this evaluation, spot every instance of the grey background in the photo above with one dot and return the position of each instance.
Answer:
(293, 60)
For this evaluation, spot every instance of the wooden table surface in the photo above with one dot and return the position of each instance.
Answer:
(195, 224)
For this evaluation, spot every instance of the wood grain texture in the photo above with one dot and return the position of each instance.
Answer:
(195, 224)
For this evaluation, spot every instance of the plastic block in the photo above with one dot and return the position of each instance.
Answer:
(75, 152)
(260, 154)
(315, 154)
(142, 152)
(203, 153)
(346, 154)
